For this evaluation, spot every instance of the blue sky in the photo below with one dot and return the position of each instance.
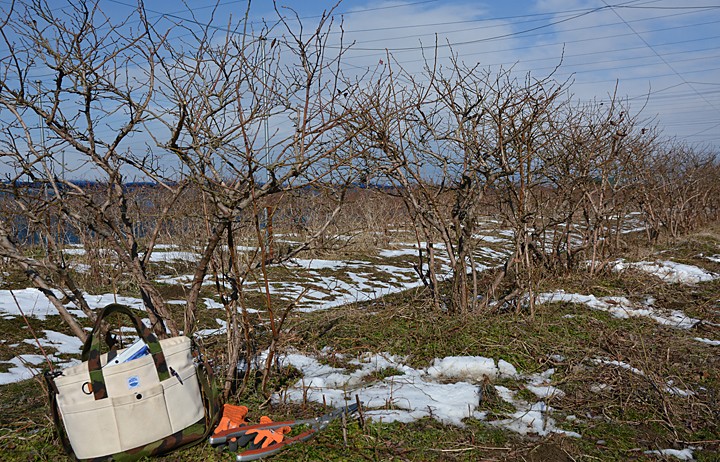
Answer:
(663, 52)
(663, 55)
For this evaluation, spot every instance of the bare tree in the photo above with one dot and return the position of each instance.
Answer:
(519, 130)
(676, 189)
(98, 83)
(590, 170)
(444, 140)
(223, 88)
(206, 98)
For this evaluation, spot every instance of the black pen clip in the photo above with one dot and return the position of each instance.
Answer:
(177, 376)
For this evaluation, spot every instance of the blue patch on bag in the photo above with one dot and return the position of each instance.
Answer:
(133, 382)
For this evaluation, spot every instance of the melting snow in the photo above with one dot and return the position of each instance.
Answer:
(533, 419)
(621, 307)
(708, 341)
(463, 367)
(210, 332)
(173, 256)
(684, 454)
(99, 301)
(546, 391)
(493, 239)
(669, 388)
(63, 344)
(35, 304)
(397, 253)
(358, 280)
(448, 390)
(74, 251)
(669, 271)
(714, 258)
(79, 267)
(362, 288)
(318, 264)
(633, 230)
(24, 367)
(506, 369)
(211, 304)
(32, 301)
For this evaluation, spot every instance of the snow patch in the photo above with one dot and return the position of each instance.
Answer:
(668, 387)
(533, 419)
(397, 253)
(74, 251)
(27, 366)
(211, 304)
(669, 271)
(506, 369)
(63, 344)
(166, 257)
(621, 307)
(546, 391)
(683, 454)
(708, 341)
(211, 332)
(100, 301)
(492, 239)
(446, 391)
(474, 368)
(409, 396)
(32, 302)
(318, 264)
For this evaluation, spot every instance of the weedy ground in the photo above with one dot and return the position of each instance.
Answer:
(630, 415)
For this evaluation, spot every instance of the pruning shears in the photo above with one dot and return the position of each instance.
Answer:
(267, 437)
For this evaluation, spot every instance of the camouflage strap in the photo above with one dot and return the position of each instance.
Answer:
(91, 349)
(210, 391)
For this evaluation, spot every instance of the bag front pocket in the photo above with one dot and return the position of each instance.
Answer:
(90, 427)
(141, 417)
(183, 399)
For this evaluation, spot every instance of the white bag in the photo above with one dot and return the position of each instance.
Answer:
(107, 411)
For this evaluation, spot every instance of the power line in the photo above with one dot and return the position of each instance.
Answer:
(668, 97)
(615, 60)
(660, 57)
(233, 31)
(615, 68)
(454, 31)
(466, 21)
(592, 39)
(380, 8)
(706, 7)
(704, 131)
(471, 42)
(344, 13)
(652, 76)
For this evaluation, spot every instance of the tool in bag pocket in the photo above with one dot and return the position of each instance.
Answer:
(149, 405)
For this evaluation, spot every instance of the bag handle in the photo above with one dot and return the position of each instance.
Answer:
(91, 349)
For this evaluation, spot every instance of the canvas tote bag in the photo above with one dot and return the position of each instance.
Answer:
(146, 406)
